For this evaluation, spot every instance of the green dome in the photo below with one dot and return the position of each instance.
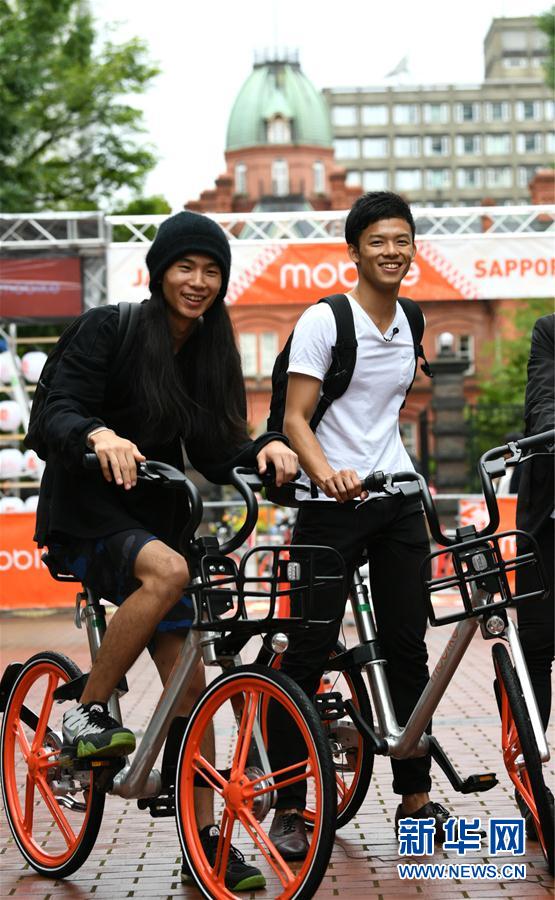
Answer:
(278, 88)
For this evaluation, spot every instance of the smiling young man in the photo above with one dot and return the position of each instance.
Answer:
(359, 433)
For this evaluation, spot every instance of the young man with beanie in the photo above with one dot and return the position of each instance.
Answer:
(358, 434)
(181, 385)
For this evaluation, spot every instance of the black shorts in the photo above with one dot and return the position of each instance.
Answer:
(105, 565)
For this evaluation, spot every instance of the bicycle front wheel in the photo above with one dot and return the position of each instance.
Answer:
(520, 751)
(54, 812)
(241, 783)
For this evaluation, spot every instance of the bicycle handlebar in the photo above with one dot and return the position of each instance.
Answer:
(169, 477)
(492, 465)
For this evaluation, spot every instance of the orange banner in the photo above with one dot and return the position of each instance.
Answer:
(24, 579)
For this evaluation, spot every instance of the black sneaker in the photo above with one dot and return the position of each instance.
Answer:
(429, 811)
(239, 875)
(91, 731)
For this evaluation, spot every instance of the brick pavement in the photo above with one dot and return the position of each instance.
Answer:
(136, 856)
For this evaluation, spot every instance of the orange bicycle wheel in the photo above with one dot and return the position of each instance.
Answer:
(54, 812)
(242, 783)
(520, 751)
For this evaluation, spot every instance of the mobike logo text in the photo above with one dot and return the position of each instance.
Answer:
(327, 275)
(22, 560)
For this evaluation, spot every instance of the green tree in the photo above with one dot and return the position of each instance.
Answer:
(68, 138)
(155, 205)
(500, 409)
(547, 24)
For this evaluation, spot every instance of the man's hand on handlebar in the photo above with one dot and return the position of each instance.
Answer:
(283, 459)
(117, 456)
(342, 486)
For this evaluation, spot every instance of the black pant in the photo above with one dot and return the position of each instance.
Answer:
(393, 532)
(536, 622)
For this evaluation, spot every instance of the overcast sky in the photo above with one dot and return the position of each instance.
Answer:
(205, 51)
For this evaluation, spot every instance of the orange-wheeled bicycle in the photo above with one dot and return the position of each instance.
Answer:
(54, 801)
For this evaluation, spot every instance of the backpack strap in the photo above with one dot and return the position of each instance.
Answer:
(129, 314)
(416, 322)
(343, 356)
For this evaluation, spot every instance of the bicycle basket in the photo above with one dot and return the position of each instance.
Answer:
(270, 583)
(484, 563)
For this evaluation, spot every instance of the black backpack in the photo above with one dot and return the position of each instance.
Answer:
(338, 377)
(127, 325)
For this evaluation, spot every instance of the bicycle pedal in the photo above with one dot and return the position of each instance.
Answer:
(479, 783)
(159, 807)
(329, 706)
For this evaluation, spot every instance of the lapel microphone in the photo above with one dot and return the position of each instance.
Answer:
(393, 333)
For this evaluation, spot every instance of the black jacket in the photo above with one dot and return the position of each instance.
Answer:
(83, 395)
(536, 494)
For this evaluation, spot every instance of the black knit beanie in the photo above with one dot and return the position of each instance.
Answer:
(188, 232)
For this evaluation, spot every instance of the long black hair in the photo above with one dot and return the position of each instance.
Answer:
(199, 392)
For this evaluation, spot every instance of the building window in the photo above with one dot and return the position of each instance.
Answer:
(437, 179)
(469, 177)
(279, 131)
(550, 142)
(344, 115)
(515, 62)
(407, 146)
(498, 144)
(437, 145)
(376, 114)
(468, 112)
(347, 148)
(468, 144)
(240, 178)
(499, 176)
(353, 178)
(377, 180)
(436, 113)
(530, 142)
(549, 110)
(280, 178)
(318, 177)
(249, 355)
(258, 353)
(406, 113)
(408, 436)
(525, 174)
(529, 110)
(408, 179)
(375, 147)
(497, 111)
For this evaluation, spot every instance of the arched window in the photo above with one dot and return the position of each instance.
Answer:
(240, 178)
(280, 178)
(318, 177)
(279, 131)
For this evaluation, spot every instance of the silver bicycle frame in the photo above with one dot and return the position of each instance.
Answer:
(411, 740)
(139, 779)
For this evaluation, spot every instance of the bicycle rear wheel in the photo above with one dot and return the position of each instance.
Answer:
(353, 757)
(242, 783)
(53, 811)
(520, 751)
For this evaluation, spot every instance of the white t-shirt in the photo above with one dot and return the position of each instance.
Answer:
(360, 430)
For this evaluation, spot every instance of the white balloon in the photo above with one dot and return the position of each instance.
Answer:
(10, 415)
(11, 505)
(32, 364)
(11, 462)
(32, 464)
(31, 503)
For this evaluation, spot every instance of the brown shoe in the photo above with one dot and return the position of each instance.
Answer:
(288, 834)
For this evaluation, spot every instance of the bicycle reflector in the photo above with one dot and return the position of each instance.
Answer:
(477, 576)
